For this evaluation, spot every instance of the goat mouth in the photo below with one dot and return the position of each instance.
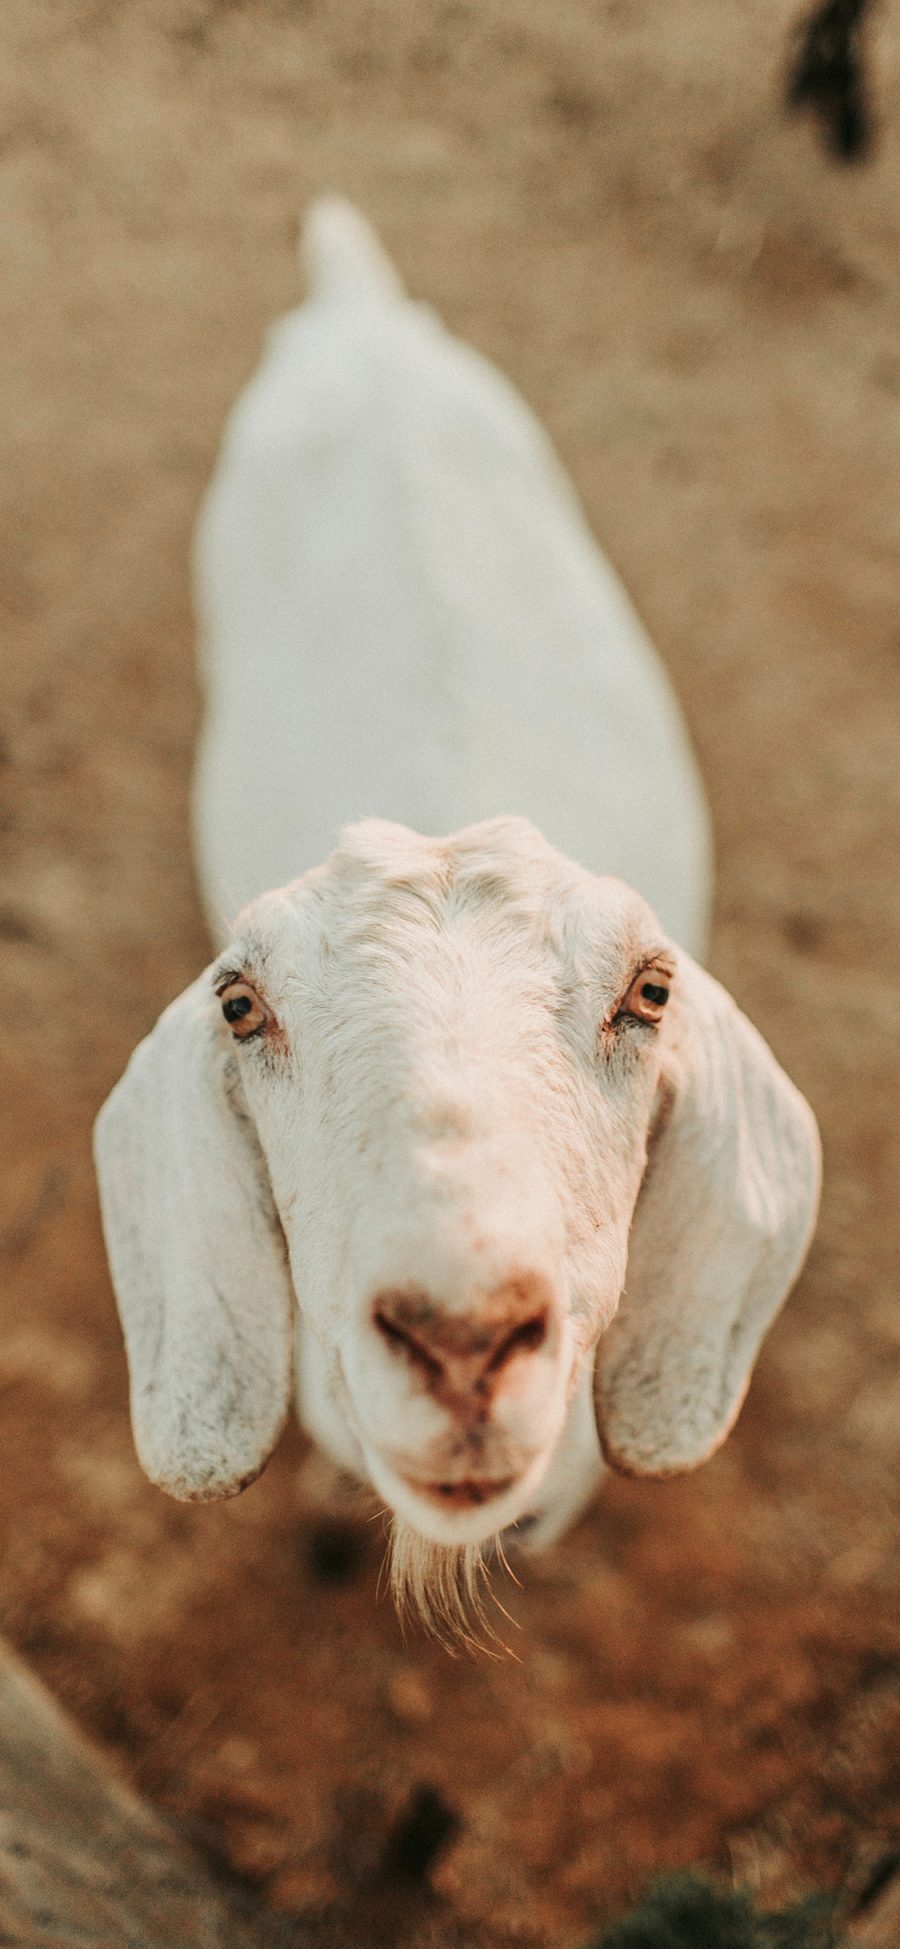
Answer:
(470, 1493)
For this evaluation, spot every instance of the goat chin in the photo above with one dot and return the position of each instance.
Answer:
(443, 1586)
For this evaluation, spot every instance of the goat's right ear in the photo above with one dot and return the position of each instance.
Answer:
(198, 1257)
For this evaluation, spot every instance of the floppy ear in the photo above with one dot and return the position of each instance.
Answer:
(198, 1257)
(721, 1227)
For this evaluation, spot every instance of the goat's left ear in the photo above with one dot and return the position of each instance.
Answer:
(198, 1257)
(721, 1227)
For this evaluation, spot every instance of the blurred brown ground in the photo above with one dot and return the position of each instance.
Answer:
(706, 313)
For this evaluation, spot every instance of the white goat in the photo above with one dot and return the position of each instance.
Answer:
(444, 1062)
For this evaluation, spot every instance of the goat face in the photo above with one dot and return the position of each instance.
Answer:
(430, 1071)
(454, 1120)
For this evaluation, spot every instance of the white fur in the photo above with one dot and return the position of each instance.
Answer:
(403, 613)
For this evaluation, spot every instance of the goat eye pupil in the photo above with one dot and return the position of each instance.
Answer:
(236, 1007)
(658, 996)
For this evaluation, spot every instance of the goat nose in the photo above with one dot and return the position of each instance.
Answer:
(465, 1354)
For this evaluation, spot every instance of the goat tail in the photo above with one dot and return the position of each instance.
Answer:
(342, 256)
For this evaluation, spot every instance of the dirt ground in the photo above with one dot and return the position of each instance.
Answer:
(602, 195)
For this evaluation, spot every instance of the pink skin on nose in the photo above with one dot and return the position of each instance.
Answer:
(460, 1360)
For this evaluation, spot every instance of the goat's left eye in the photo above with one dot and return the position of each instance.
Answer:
(647, 996)
(242, 1009)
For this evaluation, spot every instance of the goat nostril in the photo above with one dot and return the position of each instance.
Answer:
(401, 1341)
(525, 1338)
(394, 1335)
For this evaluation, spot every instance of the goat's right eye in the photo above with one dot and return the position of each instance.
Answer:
(243, 1010)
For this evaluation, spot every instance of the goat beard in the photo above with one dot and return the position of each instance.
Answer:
(443, 1586)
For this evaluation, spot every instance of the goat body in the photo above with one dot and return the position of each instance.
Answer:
(444, 1062)
(402, 612)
